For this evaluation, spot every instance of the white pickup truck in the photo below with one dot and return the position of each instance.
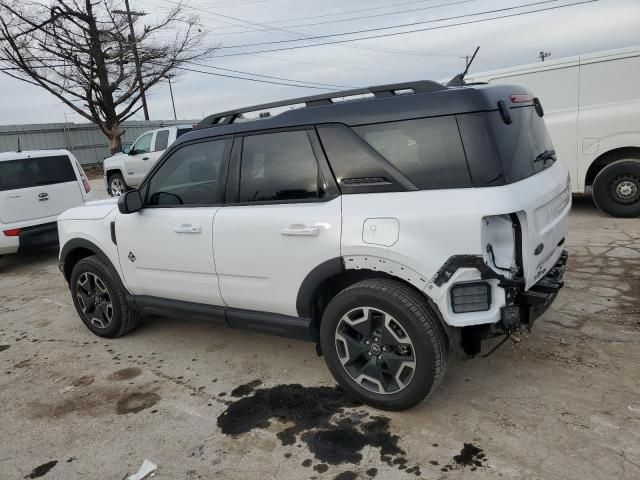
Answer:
(126, 170)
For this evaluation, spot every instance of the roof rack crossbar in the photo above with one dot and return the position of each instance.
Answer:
(379, 91)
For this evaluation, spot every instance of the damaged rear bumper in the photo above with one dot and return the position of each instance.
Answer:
(524, 307)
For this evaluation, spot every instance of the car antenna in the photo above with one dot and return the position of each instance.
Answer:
(458, 80)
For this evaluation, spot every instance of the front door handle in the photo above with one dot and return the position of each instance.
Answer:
(300, 231)
(145, 158)
(188, 228)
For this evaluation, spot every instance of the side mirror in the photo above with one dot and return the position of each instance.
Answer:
(130, 202)
(126, 149)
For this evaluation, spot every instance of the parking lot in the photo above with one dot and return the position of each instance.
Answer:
(204, 401)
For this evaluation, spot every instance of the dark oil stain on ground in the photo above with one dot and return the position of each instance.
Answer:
(469, 456)
(42, 470)
(323, 418)
(4, 347)
(246, 389)
(136, 402)
(346, 476)
(125, 374)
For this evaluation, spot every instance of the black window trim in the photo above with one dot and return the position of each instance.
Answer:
(223, 174)
(324, 172)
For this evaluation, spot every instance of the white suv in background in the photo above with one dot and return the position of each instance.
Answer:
(126, 170)
(35, 187)
(381, 223)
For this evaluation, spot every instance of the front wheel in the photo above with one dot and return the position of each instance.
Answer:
(616, 189)
(384, 344)
(117, 185)
(99, 298)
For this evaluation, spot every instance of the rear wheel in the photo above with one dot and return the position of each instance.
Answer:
(117, 186)
(100, 300)
(384, 344)
(616, 189)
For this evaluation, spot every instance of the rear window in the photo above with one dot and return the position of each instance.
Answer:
(522, 144)
(428, 151)
(35, 172)
(182, 131)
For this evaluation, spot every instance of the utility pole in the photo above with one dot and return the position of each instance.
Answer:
(136, 58)
(175, 117)
(542, 55)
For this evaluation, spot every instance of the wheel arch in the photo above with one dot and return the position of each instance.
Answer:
(608, 158)
(75, 250)
(331, 277)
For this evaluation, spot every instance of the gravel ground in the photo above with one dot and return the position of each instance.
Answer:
(204, 401)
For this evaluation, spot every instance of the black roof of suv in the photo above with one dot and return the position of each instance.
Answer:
(475, 135)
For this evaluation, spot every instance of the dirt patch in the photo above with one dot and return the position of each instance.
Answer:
(4, 347)
(469, 456)
(125, 373)
(42, 470)
(83, 381)
(136, 402)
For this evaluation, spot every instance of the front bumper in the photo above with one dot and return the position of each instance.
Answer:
(524, 307)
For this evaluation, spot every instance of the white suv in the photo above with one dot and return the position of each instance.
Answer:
(376, 226)
(35, 187)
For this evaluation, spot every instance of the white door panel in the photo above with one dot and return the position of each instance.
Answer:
(264, 252)
(168, 253)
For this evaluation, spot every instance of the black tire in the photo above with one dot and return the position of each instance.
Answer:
(117, 185)
(616, 188)
(122, 320)
(416, 320)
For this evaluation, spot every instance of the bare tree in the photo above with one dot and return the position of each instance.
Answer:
(82, 51)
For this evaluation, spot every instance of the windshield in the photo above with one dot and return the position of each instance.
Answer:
(525, 146)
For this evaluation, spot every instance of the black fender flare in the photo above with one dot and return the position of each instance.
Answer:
(321, 273)
(79, 243)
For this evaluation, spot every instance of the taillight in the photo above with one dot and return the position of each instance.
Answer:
(521, 98)
(13, 232)
(85, 182)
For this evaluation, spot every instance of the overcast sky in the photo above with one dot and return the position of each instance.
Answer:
(434, 54)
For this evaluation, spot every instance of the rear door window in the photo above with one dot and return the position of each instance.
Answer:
(278, 167)
(523, 144)
(162, 140)
(428, 151)
(35, 172)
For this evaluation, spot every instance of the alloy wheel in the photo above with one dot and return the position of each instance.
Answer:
(117, 188)
(375, 350)
(94, 300)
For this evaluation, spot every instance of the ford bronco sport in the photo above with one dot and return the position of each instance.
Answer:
(380, 223)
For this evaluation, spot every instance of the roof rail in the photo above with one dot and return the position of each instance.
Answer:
(379, 91)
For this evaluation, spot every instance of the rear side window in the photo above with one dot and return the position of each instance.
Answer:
(427, 151)
(162, 140)
(182, 131)
(278, 166)
(35, 172)
(523, 144)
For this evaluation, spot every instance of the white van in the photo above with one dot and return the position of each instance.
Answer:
(592, 109)
(35, 187)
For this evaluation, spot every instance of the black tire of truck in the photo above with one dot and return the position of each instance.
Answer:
(99, 298)
(408, 314)
(616, 188)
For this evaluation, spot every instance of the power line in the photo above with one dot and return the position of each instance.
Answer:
(294, 47)
(269, 76)
(390, 27)
(353, 18)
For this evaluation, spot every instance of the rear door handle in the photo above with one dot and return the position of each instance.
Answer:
(188, 228)
(300, 231)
